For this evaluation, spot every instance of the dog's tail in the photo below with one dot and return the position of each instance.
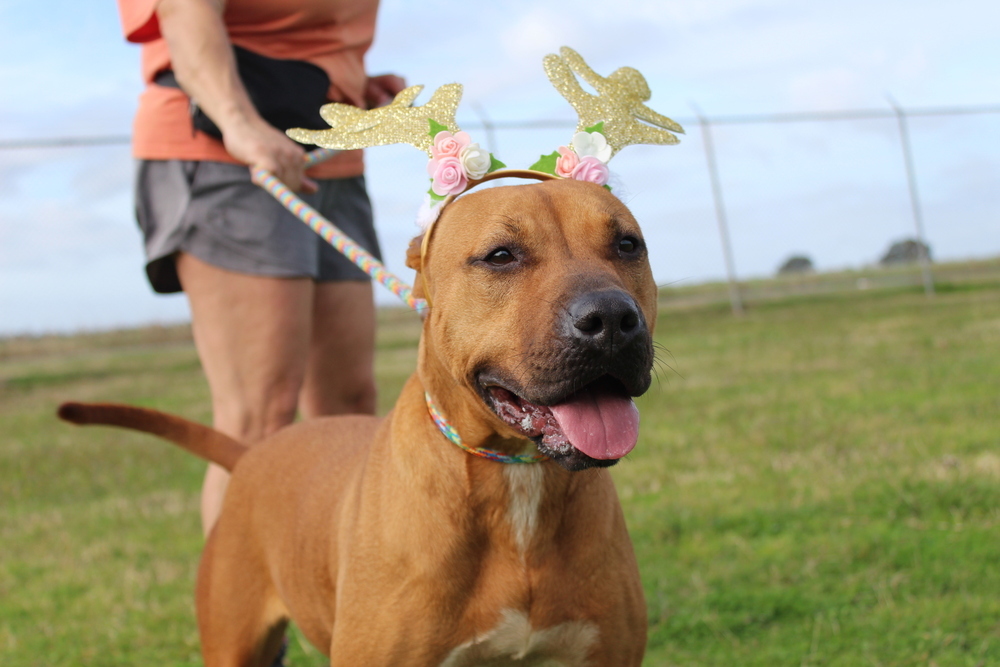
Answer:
(198, 439)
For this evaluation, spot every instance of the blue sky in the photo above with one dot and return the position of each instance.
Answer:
(70, 257)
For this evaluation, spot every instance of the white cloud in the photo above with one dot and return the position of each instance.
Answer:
(829, 89)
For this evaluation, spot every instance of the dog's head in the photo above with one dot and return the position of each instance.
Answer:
(542, 309)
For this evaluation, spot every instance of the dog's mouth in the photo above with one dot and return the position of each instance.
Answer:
(593, 427)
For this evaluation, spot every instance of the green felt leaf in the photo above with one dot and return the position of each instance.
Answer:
(607, 187)
(436, 127)
(435, 196)
(546, 163)
(595, 128)
(495, 164)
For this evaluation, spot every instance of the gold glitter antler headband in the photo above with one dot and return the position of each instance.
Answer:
(618, 103)
(614, 118)
(610, 120)
(396, 123)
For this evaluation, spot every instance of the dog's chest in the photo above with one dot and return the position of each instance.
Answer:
(525, 490)
(514, 642)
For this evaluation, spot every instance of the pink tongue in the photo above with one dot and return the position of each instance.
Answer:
(600, 424)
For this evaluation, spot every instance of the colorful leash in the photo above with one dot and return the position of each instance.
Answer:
(332, 234)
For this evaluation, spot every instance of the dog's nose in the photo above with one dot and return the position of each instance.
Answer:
(606, 317)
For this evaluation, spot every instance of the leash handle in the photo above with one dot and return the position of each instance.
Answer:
(333, 235)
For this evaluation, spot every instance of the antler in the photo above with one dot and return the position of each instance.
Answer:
(396, 123)
(618, 103)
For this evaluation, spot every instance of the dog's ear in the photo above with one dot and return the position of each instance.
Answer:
(413, 262)
(413, 253)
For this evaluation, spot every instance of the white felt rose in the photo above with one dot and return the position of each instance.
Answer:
(475, 160)
(592, 144)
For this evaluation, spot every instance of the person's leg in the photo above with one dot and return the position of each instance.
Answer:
(252, 334)
(340, 375)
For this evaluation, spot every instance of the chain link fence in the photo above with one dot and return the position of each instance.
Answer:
(746, 190)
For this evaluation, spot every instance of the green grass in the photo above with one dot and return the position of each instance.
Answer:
(817, 483)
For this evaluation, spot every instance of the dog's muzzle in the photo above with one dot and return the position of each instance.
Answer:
(576, 403)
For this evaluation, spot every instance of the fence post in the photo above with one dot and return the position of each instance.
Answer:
(911, 180)
(735, 300)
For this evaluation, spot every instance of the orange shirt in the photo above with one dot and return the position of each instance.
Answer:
(332, 34)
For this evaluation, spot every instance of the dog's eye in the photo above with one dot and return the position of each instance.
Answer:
(628, 245)
(500, 257)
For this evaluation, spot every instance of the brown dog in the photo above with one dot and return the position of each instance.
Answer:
(389, 545)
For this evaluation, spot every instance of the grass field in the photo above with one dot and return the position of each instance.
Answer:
(816, 483)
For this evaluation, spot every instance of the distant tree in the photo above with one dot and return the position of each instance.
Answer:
(906, 251)
(796, 264)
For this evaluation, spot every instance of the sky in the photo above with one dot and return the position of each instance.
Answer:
(71, 256)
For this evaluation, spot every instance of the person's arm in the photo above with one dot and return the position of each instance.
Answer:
(203, 62)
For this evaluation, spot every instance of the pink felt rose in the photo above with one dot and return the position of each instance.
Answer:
(567, 162)
(591, 170)
(449, 176)
(447, 144)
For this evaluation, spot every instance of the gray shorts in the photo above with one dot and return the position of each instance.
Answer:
(213, 211)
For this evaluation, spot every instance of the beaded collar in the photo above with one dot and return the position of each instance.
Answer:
(449, 432)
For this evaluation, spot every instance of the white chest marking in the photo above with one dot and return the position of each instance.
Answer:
(514, 643)
(525, 484)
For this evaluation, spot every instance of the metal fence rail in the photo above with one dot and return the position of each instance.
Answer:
(706, 122)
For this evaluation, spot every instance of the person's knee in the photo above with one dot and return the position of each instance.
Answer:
(347, 393)
(355, 395)
(280, 410)
(253, 415)
(361, 399)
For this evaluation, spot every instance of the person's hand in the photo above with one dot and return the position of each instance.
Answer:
(379, 90)
(258, 144)
(202, 59)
